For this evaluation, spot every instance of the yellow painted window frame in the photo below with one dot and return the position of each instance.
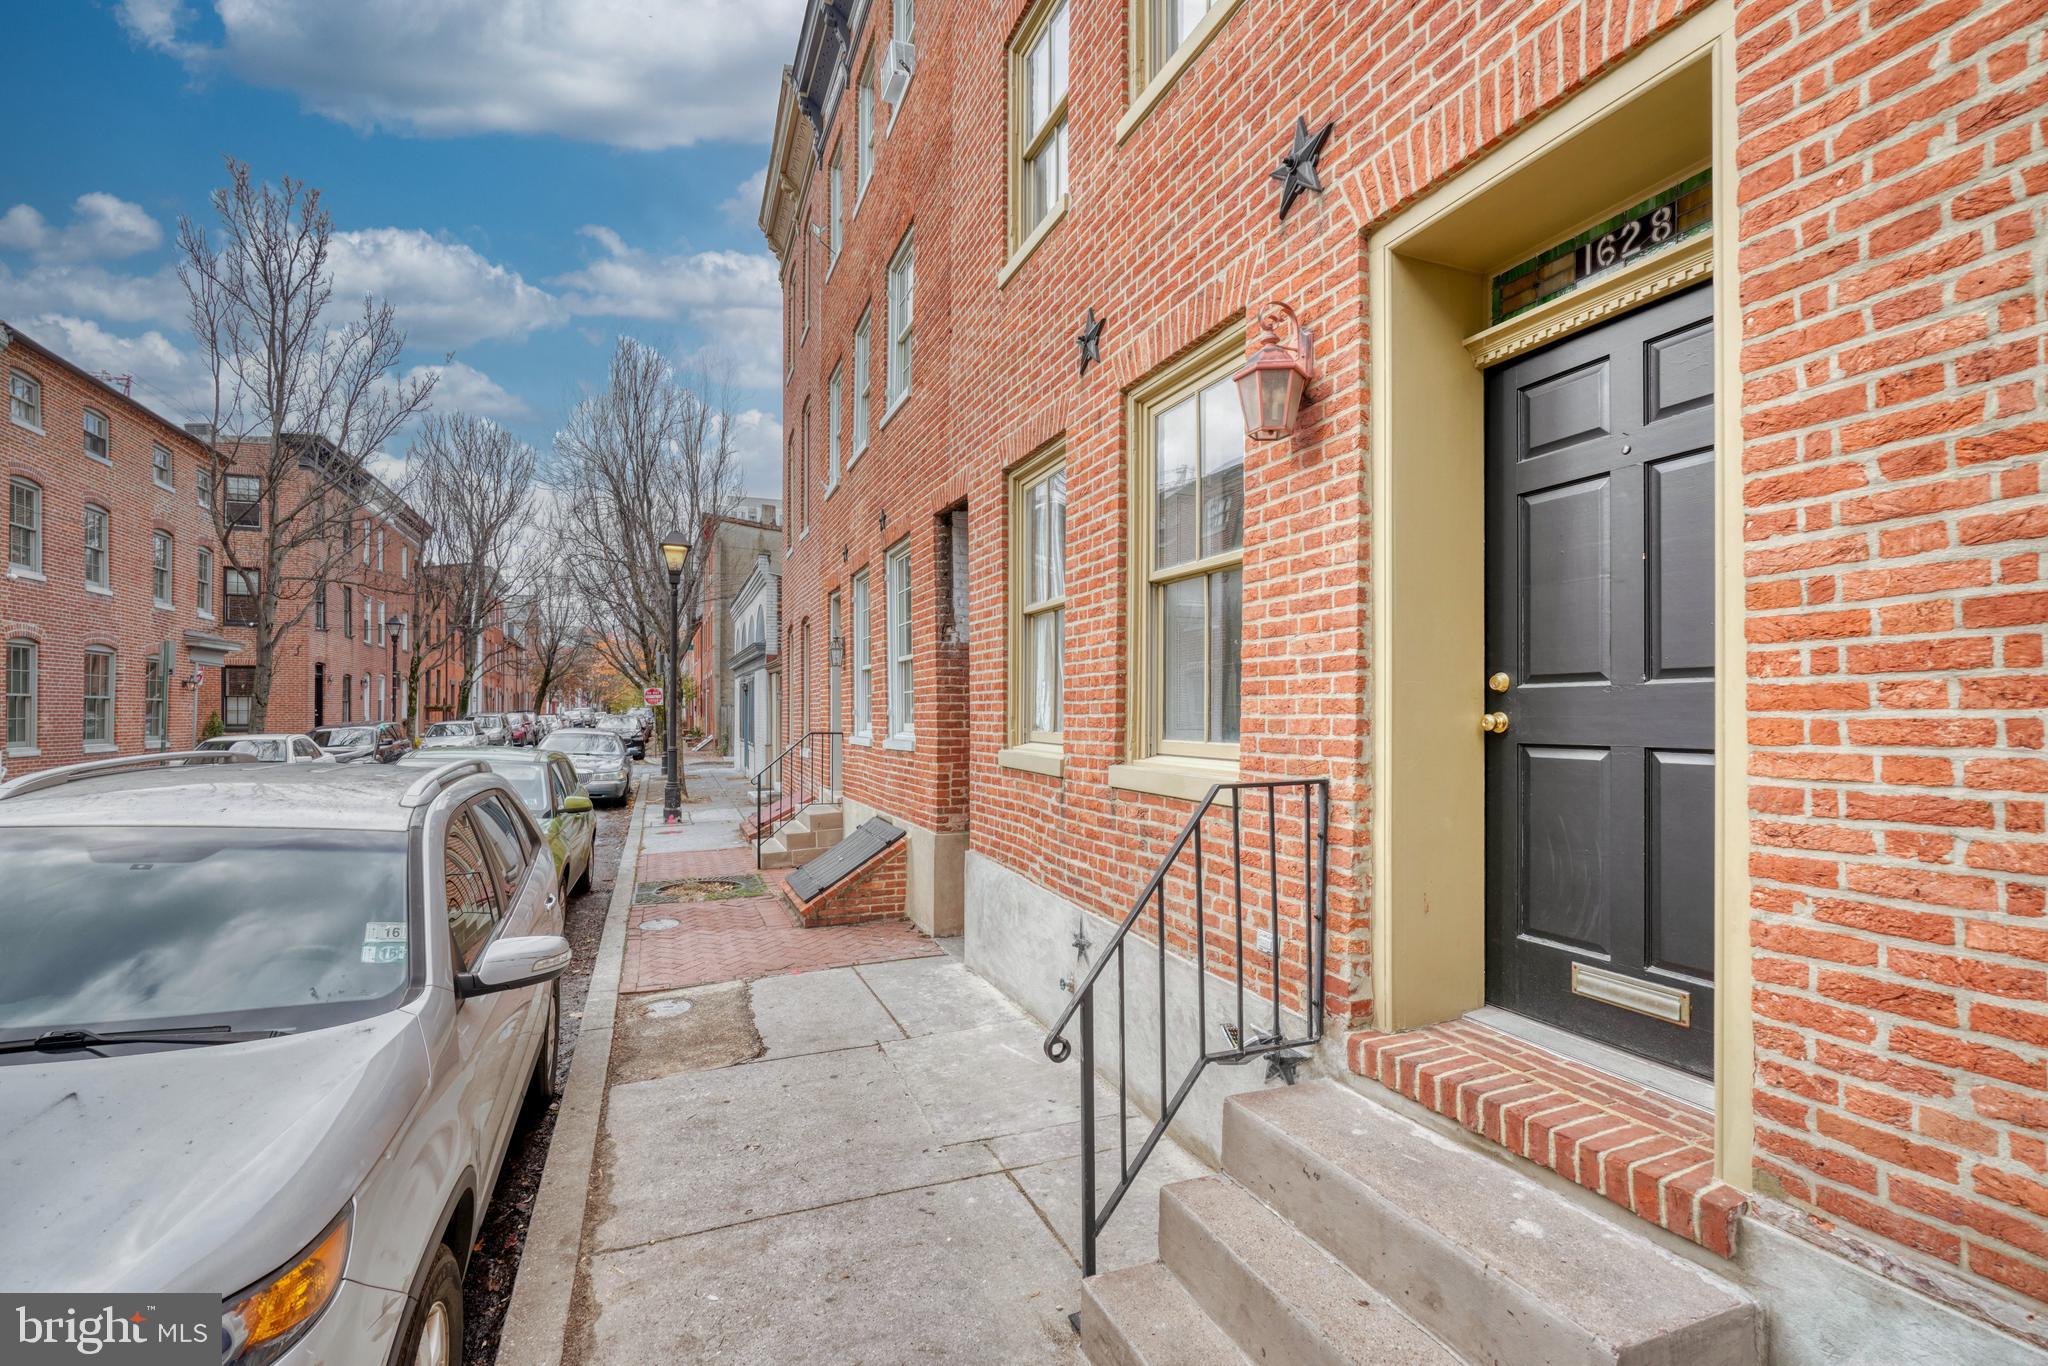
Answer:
(1023, 144)
(1201, 367)
(1149, 82)
(1023, 480)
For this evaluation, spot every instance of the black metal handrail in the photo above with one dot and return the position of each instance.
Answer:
(798, 776)
(1315, 880)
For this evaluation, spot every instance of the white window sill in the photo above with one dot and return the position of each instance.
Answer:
(148, 743)
(99, 591)
(99, 747)
(167, 488)
(901, 744)
(32, 575)
(854, 458)
(106, 460)
(1034, 758)
(27, 427)
(864, 739)
(205, 615)
(1030, 242)
(895, 407)
(1163, 80)
(23, 751)
(163, 604)
(1170, 776)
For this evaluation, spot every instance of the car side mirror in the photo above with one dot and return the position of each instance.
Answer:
(577, 802)
(522, 960)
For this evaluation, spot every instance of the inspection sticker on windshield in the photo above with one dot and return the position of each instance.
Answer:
(384, 932)
(383, 953)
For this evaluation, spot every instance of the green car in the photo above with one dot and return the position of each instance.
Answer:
(547, 783)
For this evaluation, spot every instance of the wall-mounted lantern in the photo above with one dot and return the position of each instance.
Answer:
(835, 650)
(1274, 379)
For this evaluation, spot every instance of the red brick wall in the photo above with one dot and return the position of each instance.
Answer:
(1891, 177)
(1894, 188)
(875, 892)
(58, 612)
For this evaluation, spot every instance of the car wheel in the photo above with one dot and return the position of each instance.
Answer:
(543, 1090)
(433, 1333)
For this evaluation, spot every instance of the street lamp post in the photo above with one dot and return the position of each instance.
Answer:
(675, 550)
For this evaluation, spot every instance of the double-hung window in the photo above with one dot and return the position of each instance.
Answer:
(240, 589)
(25, 399)
(832, 432)
(99, 436)
(205, 582)
(24, 527)
(238, 696)
(203, 482)
(99, 696)
(21, 695)
(902, 313)
(348, 611)
(863, 367)
(156, 698)
(1038, 536)
(1038, 94)
(1164, 27)
(160, 579)
(96, 575)
(1190, 555)
(896, 616)
(835, 236)
(160, 466)
(244, 502)
(864, 139)
(863, 645)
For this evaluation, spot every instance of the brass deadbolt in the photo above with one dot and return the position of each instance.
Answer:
(1500, 682)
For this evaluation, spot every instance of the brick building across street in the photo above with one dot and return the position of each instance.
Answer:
(1678, 407)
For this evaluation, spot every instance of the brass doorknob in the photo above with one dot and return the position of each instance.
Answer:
(1500, 682)
(1494, 722)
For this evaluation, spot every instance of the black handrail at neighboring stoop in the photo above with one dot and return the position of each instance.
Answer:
(1314, 878)
(805, 772)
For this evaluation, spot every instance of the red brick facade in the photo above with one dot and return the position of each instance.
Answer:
(1888, 168)
(874, 891)
(53, 619)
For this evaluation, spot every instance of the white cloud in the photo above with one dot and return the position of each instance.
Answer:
(733, 296)
(163, 375)
(757, 438)
(743, 206)
(94, 291)
(626, 72)
(102, 226)
(464, 388)
(445, 293)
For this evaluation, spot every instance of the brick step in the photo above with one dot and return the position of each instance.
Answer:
(1143, 1316)
(1276, 1294)
(1488, 1262)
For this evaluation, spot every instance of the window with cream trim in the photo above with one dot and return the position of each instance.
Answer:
(1038, 119)
(897, 635)
(1038, 596)
(1188, 554)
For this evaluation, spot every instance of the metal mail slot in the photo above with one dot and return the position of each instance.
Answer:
(1644, 998)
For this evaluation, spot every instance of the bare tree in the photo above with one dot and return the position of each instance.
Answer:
(299, 400)
(473, 480)
(560, 622)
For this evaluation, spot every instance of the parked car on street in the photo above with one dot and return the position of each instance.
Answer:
(271, 749)
(380, 740)
(522, 727)
(554, 797)
(300, 1098)
(491, 726)
(452, 735)
(628, 731)
(600, 760)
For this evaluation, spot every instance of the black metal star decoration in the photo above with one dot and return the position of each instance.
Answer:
(1090, 341)
(1297, 170)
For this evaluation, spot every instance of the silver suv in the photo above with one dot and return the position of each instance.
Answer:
(265, 1031)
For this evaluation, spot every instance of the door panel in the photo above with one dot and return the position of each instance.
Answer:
(1600, 608)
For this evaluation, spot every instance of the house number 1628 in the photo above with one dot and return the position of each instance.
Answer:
(1616, 245)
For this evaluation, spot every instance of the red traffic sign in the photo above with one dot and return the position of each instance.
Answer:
(651, 696)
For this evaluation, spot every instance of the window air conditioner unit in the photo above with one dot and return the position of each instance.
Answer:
(896, 79)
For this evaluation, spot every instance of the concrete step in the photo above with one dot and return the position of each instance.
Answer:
(1142, 1316)
(1497, 1267)
(1277, 1295)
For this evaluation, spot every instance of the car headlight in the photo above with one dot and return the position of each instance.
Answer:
(261, 1324)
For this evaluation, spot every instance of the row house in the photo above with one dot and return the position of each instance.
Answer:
(113, 605)
(721, 559)
(497, 665)
(1602, 443)
(350, 591)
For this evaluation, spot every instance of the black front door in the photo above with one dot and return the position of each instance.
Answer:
(319, 695)
(1600, 612)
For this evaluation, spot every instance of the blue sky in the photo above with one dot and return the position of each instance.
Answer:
(524, 180)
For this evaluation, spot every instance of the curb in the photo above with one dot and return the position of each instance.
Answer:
(536, 1320)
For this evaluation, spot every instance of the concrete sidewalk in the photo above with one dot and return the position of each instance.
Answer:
(868, 1164)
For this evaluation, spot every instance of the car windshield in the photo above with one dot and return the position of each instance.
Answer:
(452, 728)
(601, 745)
(344, 738)
(277, 929)
(490, 722)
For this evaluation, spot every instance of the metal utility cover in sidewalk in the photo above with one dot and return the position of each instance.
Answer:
(843, 858)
